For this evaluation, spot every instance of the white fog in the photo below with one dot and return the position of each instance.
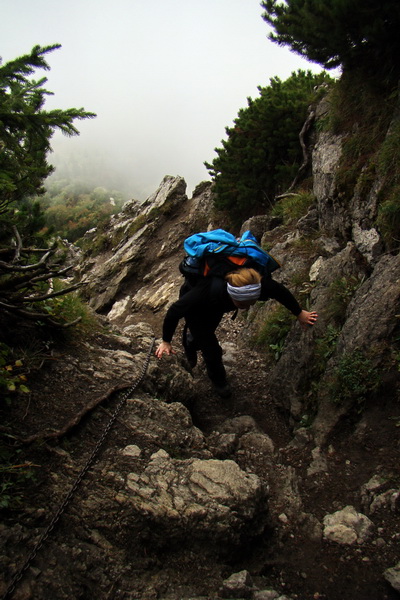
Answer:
(165, 79)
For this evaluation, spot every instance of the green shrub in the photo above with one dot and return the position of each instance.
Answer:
(389, 218)
(353, 379)
(341, 291)
(262, 154)
(324, 349)
(272, 334)
(363, 119)
(293, 207)
(69, 308)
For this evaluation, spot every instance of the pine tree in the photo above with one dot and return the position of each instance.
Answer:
(262, 152)
(25, 132)
(26, 128)
(353, 34)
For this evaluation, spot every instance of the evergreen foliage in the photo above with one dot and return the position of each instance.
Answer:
(262, 153)
(27, 272)
(26, 128)
(353, 34)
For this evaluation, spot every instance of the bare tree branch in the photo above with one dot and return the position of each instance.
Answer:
(306, 157)
(22, 281)
(53, 294)
(11, 267)
(65, 325)
(29, 314)
(19, 244)
(75, 420)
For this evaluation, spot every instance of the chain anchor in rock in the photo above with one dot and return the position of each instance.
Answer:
(18, 576)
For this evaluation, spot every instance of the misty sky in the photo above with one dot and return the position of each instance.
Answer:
(165, 78)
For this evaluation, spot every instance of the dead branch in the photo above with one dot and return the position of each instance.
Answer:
(41, 263)
(19, 244)
(76, 419)
(42, 316)
(20, 283)
(25, 250)
(286, 195)
(71, 288)
(64, 325)
(29, 314)
(31, 278)
(306, 157)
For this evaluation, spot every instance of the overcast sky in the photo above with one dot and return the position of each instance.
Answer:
(165, 77)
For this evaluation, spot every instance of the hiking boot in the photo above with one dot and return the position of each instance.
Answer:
(223, 391)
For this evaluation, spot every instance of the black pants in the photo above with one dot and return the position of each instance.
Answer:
(201, 337)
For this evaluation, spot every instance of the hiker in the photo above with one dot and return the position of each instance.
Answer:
(203, 305)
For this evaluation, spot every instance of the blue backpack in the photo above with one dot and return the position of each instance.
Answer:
(218, 252)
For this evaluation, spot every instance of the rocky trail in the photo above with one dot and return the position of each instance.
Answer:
(271, 542)
(289, 490)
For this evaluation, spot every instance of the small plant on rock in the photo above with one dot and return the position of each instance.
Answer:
(342, 291)
(294, 206)
(272, 335)
(353, 379)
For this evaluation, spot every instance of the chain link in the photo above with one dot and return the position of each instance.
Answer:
(18, 576)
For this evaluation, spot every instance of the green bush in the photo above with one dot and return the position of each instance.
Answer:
(363, 119)
(262, 153)
(69, 308)
(293, 207)
(353, 379)
(389, 219)
(272, 334)
(350, 34)
(389, 169)
(341, 291)
(324, 349)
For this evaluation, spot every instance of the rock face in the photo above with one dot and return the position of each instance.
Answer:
(209, 500)
(129, 265)
(350, 281)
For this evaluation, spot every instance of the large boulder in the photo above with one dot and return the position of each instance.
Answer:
(196, 500)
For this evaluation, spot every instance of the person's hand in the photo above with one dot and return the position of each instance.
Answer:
(306, 318)
(164, 348)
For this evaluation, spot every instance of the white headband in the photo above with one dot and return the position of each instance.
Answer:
(245, 292)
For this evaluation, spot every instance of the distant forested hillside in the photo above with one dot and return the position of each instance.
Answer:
(72, 208)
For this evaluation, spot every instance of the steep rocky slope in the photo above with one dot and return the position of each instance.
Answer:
(290, 489)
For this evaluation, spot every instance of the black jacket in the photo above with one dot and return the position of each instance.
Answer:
(206, 303)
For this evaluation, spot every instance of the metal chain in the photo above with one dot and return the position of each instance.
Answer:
(18, 576)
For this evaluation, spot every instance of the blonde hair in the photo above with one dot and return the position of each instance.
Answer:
(243, 277)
